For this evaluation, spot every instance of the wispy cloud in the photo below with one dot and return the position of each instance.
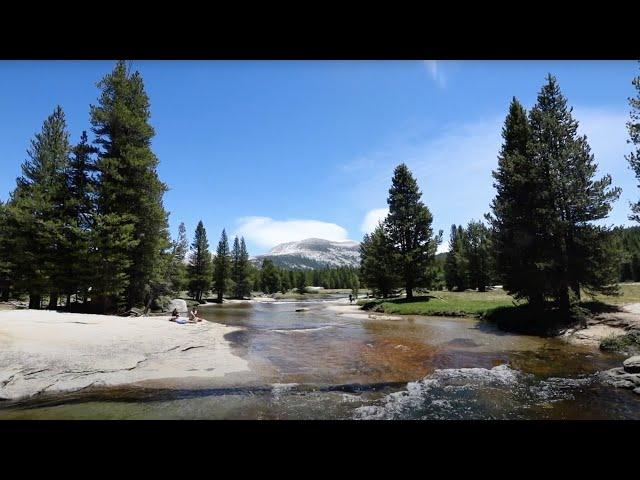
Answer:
(267, 232)
(434, 67)
(607, 135)
(453, 166)
(372, 218)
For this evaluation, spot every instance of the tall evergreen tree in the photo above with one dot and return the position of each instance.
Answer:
(199, 268)
(378, 262)
(478, 255)
(575, 246)
(409, 228)
(177, 275)
(5, 255)
(76, 272)
(239, 268)
(301, 283)
(244, 279)
(457, 263)
(518, 219)
(132, 227)
(235, 265)
(36, 213)
(633, 126)
(269, 277)
(547, 199)
(221, 266)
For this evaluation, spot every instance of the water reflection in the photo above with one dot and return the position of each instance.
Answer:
(317, 364)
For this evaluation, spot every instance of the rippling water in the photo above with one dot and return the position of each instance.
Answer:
(320, 365)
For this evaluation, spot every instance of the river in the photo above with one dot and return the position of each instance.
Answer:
(318, 364)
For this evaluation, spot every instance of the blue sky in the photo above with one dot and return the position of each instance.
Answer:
(281, 151)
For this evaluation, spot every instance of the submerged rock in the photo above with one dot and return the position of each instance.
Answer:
(632, 364)
(302, 309)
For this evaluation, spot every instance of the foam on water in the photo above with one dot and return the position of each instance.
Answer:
(301, 330)
(472, 393)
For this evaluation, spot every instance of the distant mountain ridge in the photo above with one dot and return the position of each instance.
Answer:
(313, 253)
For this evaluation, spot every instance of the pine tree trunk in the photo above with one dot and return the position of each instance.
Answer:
(53, 301)
(563, 301)
(409, 292)
(219, 296)
(68, 302)
(5, 295)
(537, 302)
(575, 286)
(34, 302)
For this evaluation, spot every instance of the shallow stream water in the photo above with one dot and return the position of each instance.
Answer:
(318, 364)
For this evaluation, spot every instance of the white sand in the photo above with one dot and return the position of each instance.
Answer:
(606, 325)
(45, 351)
(354, 311)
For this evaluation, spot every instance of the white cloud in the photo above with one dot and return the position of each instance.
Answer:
(267, 232)
(443, 247)
(607, 135)
(372, 218)
(435, 70)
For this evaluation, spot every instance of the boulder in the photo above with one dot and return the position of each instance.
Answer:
(302, 309)
(621, 379)
(178, 303)
(632, 364)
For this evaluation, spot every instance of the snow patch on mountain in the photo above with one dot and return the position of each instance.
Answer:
(314, 253)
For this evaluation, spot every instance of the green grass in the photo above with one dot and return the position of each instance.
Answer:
(443, 303)
(472, 303)
(629, 342)
(629, 293)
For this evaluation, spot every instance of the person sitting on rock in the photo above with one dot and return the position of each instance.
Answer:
(193, 315)
(174, 315)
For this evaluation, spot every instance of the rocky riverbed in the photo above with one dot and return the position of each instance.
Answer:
(627, 376)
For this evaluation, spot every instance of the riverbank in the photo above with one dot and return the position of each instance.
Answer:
(45, 352)
(605, 321)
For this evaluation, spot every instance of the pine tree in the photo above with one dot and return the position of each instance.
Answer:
(240, 268)
(132, 223)
(221, 265)
(355, 286)
(76, 273)
(35, 213)
(478, 255)
(244, 279)
(285, 284)
(575, 247)
(269, 277)
(177, 274)
(545, 243)
(5, 255)
(633, 126)
(301, 283)
(378, 262)
(199, 268)
(409, 228)
(518, 217)
(456, 264)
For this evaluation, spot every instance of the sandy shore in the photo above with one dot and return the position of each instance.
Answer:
(354, 311)
(606, 325)
(45, 351)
